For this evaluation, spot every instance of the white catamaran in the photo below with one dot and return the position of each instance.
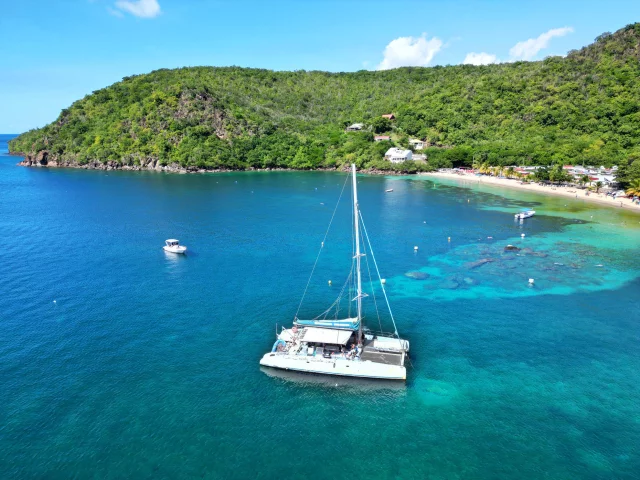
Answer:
(342, 346)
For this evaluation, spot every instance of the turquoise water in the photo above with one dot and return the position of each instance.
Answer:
(146, 365)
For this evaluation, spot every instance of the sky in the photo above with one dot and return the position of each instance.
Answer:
(57, 51)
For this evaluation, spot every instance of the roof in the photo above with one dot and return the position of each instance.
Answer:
(389, 115)
(397, 152)
(415, 140)
(382, 136)
(326, 335)
(172, 240)
(356, 125)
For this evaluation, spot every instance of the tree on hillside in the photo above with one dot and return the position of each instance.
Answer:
(381, 125)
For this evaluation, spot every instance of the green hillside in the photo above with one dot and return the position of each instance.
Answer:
(584, 108)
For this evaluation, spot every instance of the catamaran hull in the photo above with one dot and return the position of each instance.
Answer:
(339, 367)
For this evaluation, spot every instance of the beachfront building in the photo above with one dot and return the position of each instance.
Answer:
(419, 157)
(605, 175)
(522, 171)
(356, 127)
(417, 144)
(381, 138)
(397, 155)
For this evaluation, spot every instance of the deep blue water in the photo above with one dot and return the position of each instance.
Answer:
(146, 365)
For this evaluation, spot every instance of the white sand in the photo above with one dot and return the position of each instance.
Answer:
(570, 192)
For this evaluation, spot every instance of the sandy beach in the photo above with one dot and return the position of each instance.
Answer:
(569, 192)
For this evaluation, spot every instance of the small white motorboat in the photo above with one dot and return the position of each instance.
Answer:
(525, 214)
(173, 246)
(389, 190)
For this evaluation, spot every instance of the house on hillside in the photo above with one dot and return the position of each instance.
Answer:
(389, 116)
(419, 157)
(356, 127)
(397, 155)
(381, 138)
(417, 144)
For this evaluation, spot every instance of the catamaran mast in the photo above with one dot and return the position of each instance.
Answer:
(356, 220)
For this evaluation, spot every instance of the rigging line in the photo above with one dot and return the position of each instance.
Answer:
(373, 293)
(336, 303)
(322, 246)
(379, 277)
(340, 297)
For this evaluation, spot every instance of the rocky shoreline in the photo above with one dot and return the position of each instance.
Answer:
(44, 160)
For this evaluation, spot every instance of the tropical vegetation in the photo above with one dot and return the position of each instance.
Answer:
(580, 109)
(634, 188)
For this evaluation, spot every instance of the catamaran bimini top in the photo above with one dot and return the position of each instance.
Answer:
(326, 335)
(347, 323)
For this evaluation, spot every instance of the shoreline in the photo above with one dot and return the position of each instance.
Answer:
(567, 192)
(155, 166)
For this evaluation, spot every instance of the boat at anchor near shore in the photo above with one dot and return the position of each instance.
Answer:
(331, 344)
(525, 213)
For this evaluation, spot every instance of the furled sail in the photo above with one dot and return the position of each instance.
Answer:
(346, 324)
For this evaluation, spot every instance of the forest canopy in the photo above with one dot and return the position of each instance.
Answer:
(580, 109)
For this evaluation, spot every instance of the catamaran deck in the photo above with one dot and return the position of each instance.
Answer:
(381, 357)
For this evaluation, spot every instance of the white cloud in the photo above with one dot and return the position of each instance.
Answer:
(140, 8)
(409, 52)
(529, 48)
(480, 58)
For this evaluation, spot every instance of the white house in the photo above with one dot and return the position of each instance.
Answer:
(355, 127)
(417, 144)
(397, 155)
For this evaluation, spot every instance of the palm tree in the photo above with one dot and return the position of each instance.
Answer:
(511, 172)
(634, 188)
(598, 186)
(584, 179)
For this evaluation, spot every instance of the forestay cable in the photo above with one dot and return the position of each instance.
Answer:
(379, 277)
(373, 292)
